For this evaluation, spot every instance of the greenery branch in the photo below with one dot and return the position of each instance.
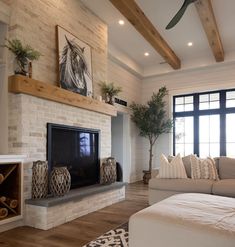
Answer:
(23, 53)
(151, 119)
(110, 90)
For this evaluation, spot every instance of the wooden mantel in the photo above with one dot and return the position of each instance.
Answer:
(25, 85)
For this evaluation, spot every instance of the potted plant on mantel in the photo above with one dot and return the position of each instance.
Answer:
(24, 54)
(152, 121)
(109, 90)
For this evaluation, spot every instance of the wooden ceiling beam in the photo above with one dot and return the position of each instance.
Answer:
(143, 25)
(207, 17)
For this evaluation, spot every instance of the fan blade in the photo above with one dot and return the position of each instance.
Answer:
(179, 14)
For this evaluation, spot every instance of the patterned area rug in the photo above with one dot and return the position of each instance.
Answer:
(115, 238)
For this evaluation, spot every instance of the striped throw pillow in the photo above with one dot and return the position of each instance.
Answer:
(173, 169)
(203, 168)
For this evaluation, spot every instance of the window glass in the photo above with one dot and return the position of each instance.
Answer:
(188, 107)
(230, 103)
(214, 97)
(230, 135)
(209, 135)
(179, 101)
(230, 95)
(209, 101)
(183, 104)
(204, 106)
(184, 136)
(188, 100)
(203, 98)
(230, 99)
(230, 147)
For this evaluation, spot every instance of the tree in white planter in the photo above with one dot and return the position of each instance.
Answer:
(152, 121)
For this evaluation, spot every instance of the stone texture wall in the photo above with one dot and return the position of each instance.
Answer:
(34, 22)
(28, 117)
(45, 218)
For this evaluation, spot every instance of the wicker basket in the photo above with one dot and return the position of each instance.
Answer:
(39, 179)
(108, 171)
(60, 181)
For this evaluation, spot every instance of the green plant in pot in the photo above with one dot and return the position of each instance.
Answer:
(152, 121)
(23, 55)
(109, 90)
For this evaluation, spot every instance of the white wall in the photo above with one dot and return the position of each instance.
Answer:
(219, 76)
(131, 85)
(117, 138)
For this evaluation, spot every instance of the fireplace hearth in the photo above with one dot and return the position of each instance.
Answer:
(77, 149)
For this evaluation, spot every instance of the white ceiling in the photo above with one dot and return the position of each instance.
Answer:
(128, 41)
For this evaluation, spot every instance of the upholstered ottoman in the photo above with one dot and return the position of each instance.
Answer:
(185, 220)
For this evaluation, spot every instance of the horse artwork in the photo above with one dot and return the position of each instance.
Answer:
(75, 73)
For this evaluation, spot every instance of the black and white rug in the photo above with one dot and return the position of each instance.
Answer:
(113, 238)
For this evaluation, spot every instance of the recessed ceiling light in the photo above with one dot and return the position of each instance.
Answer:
(146, 54)
(121, 22)
(190, 43)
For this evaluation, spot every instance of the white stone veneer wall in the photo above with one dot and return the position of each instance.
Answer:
(34, 22)
(48, 217)
(28, 117)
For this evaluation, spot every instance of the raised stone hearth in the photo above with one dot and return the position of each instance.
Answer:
(51, 212)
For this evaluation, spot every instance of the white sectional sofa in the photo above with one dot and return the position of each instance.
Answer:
(160, 189)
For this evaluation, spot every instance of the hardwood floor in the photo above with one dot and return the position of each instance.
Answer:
(84, 229)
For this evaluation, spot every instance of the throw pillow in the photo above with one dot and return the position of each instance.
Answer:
(173, 169)
(187, 163)
(203, 168)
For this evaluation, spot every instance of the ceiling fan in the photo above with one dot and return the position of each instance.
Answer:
(179, 14)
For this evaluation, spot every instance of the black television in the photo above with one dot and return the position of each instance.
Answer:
(77, 149)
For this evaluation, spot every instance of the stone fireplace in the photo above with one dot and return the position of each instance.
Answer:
(28, 118)
(28, 134)
(28, 115)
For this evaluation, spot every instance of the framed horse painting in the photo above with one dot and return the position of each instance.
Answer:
(74, 56)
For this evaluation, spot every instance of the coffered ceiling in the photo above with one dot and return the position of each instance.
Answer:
(126, 39)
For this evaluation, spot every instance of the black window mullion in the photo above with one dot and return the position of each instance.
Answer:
(196, 113)
(174, 117)
(196, 124)
(223, 123)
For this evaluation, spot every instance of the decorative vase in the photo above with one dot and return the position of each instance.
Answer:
(147, 176)
(60, 181)
(108, 171)
(19, 70)
(39, 179)
(109, 99)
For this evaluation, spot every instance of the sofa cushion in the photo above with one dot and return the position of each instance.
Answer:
(216, 159)
(226, 168)
(186, 162)
(173, 169)
(182, 185)
(225, 187)
(203, 168)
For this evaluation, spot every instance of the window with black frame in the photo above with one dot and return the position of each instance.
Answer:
(204, 122)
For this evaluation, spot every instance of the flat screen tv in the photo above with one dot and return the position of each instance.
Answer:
(77, 149)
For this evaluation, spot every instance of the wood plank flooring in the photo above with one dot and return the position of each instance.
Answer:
(84, 229)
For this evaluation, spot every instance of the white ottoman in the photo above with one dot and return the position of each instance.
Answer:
(185, 220)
